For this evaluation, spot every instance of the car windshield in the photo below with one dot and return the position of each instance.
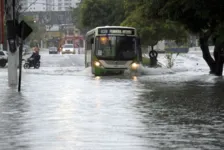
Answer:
(68, 46)
(115, 47)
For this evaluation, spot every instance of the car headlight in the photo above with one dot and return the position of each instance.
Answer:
(134, 66)
(97, 64)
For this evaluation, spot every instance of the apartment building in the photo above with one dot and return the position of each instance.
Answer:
(48, 5)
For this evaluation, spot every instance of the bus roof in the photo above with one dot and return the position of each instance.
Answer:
(102, 27)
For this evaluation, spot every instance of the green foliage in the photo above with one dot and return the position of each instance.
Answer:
(95, 13)
(33, 43)
(198, 16)
(76, 16)
(145, 61)
(146, 31)
(151, 30)
(202, 17)
(170, 59)
(38, 31)
(30, 21)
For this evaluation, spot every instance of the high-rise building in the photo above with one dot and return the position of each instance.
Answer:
(33, 5)
(66, 4)
(24, 4)
(48, 5)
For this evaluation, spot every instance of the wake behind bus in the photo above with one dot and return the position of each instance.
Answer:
(112, 50)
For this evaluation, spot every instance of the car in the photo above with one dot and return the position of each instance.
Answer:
(68, 49)
(3, 58)
(53, 50)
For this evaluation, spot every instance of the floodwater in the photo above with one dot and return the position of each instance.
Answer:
(63, 107)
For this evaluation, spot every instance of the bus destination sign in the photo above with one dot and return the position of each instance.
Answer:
(117, 31)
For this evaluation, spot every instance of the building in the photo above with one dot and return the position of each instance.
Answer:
(51, 14)
(64, 5)
(48, 5)
(50, 17)
(33, 5)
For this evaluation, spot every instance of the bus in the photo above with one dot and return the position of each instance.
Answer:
(112, 49)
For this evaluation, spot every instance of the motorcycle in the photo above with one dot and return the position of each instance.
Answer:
(29, 63)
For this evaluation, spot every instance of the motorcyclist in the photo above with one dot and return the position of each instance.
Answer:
(35, 57)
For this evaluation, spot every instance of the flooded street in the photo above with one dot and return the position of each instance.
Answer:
(189, 116)
(63, 107)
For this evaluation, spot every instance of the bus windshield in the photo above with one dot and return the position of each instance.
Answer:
(115, 47)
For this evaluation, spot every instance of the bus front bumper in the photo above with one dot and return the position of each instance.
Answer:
(103, 70)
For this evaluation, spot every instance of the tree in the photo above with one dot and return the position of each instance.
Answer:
(76, 19)
(95, 13)
(38, 31)
(204, 18)
(76, 16)
(151, 30)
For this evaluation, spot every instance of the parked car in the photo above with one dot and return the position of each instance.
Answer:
(3, 58)
(68, 49)
(53, 50)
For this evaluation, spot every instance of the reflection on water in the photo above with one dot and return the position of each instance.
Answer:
(14, 116)
(188, 116)
(93, 113)
(134, 78)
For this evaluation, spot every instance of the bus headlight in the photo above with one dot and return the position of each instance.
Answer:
(97, 64)
(134, 66)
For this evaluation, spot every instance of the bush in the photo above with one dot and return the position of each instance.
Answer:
(170, 59)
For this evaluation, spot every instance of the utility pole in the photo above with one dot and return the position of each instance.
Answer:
(15, 32)
(1, 24)
(12, 24)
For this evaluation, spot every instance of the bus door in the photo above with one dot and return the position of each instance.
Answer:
(92, 49)
(89, 51)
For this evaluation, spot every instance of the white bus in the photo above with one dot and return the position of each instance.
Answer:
(112, 49)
